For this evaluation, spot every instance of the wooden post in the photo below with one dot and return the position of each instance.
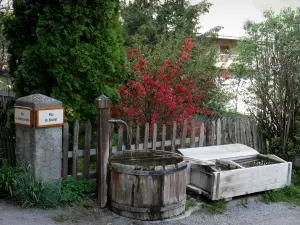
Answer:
(103, 105)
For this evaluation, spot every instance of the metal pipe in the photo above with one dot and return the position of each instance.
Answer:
(127, 131)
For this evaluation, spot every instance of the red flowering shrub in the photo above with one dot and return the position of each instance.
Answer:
(162, 93)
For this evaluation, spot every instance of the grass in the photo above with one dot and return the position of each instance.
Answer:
(289, 194)
(22, 187)
(215, 207)
(25, 189)
(188, 204)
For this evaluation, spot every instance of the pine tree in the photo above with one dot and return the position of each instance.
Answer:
(71, 50)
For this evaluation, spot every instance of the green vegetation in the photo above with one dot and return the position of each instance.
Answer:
(215, 207)
(74, 190)
(289, 194)
(188, 204)
(268, 56)
(67, 49)
(23, 188)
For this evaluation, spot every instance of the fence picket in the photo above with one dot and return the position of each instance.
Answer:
(201, 135)
(242, 128)
(129, 138)
(213, 133)
(163, 138)
(75, 149)
(65, 150)
(120, 138)
(174, 136)
(224, 131)
(193, 133)
(237, 131)
(111, 135)
(137, 138)
(183, 134)
(154, 139)
(87, 149)
(146, 137)
(219, 137)
(254, 135)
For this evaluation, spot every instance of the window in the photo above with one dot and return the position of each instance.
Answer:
(224, 49)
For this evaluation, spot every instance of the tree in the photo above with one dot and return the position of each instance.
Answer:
(269, 56)
(153, 18)
(71, 50)
(156, 28)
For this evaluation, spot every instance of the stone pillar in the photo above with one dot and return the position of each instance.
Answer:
(40, 148)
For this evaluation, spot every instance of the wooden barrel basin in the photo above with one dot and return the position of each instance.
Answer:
(147, 185)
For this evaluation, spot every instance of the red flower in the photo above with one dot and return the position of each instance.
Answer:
(128, 48)
(180, 99)
(188, 41)
(130, 111)
(142, 61)
(186, 56)
(134, 51)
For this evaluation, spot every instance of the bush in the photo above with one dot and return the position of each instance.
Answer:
(74, 190)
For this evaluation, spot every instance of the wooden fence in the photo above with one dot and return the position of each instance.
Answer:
(212, 132)
(7, 146)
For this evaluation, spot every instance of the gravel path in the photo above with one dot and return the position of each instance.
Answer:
(256, 213)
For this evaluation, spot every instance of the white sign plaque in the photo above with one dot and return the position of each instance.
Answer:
(23, 116)
(50, 117)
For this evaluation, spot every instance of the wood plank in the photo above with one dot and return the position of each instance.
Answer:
(193, 130)
(219, 137)
(111, 136)
(129, 138)
(218, 152)
(183, 134)
(154, 139)
(254, 179)
(224, 131)
(201, 135)
(102, 104)
(209, 133)
(174, 136)
(238, 132)
(249, 130)
(75, 149)
(229, 162)
(87, 149)
(163, 138)
(146, 136)
(242, 130)
(213, 133)
(254, 133)
(137, 137)
(120, 138)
